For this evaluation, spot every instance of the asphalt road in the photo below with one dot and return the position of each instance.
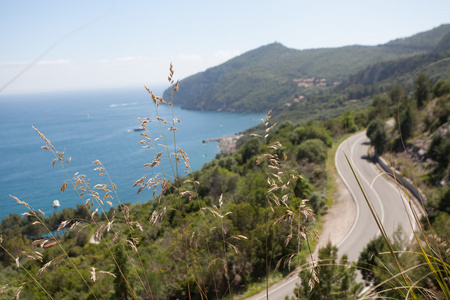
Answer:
(387, 200)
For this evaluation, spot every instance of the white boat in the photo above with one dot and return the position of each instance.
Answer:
(56, 203)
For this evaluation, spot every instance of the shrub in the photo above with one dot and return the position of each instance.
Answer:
(441, 87)
(439, 149)
(250, 148)
(311, 131)
(313, 150)
(377, 135)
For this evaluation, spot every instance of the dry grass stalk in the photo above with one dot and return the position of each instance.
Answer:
(19, 290)
(100, 193)
(42, 270)
(2, 290)
(281, 180)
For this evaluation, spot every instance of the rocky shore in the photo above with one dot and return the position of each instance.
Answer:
(227, 144)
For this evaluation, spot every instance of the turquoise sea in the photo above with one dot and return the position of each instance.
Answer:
(93, 125)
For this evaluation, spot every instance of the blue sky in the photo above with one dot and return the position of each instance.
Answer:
(70, 45)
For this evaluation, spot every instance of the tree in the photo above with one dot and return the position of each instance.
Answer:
(310, 131)
(249, 149)
(380, 269)
(348, 122)
(377, 135)
(16, 246)
(336, 280)
(380, 107)
(422, 89)
(367, 260)
(439, 149)
(407, 119)
(314, 150)
(121, 282)
(395, 94)
(317, 202)
(441, 87)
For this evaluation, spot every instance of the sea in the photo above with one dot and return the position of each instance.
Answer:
(97, 125)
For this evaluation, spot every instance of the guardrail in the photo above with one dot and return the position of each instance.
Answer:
(404, 181)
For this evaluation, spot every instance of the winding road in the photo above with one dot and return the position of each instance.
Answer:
(388, 200)
(389, 203)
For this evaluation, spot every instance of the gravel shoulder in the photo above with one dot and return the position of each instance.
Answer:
(340, 217)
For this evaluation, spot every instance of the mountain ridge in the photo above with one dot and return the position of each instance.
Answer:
(273, 75)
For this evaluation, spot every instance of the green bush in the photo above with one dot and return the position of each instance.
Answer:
(377, 135)
(407, 118)
(337, 278)
(441, 87)
(313, 150)
(311, 131)
(422, 89)
(250, 148)
(439, 150)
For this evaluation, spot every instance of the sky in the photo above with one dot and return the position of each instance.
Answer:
(49, 46)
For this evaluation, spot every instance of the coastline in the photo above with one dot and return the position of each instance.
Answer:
(227, 144)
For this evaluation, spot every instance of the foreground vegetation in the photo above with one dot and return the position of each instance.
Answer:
(419, 146)
(215, 232)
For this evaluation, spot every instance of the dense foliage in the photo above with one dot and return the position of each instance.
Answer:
(222, 212)
(337, 278)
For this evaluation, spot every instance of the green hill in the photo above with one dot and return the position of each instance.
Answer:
(387, 73)
(274, 76)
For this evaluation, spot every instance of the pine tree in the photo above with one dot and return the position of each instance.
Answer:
(336, 280)
(121, 288)
(422, 90)
(377, 135)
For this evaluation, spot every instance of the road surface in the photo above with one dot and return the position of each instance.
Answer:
(384, 195)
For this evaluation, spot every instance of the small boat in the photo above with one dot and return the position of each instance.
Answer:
(56, 203)
(139, 128)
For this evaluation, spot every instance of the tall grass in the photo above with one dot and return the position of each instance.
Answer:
(432, 252)
(281, 179)
(94, 199)
(113, 229)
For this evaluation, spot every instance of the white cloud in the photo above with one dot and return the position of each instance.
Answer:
(190, 57)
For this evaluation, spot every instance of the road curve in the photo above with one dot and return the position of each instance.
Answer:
(387, 200)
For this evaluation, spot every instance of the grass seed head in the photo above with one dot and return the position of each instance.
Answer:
(19, 290)
(2, 290)
(93, 274)
(42, 270)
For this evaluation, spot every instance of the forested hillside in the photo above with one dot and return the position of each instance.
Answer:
(276, 77)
